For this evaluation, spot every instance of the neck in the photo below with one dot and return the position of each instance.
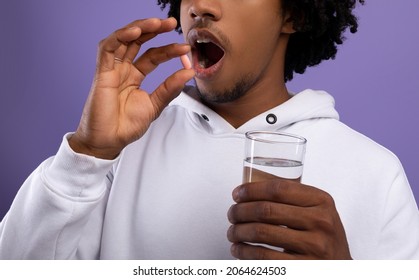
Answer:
(256, 101)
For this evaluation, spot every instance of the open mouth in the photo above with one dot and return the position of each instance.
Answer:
(208, 53)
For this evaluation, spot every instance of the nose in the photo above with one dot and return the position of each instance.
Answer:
(205, 9)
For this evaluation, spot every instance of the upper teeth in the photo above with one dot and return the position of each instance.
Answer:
(201, 41)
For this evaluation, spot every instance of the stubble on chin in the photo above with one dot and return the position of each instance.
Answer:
(227, 95)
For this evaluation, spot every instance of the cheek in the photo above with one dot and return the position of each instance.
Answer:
(184, 19)
(257, 46)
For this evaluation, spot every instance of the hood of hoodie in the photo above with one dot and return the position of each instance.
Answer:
(305, 105)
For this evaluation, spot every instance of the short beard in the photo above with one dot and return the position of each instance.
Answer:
(227, 95)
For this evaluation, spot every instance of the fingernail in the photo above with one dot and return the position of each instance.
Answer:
(233, 249)
(236, 194)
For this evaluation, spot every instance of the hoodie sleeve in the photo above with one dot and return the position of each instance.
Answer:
(54, 205)
(399, 238)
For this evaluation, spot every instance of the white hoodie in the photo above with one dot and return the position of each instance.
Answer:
(167, 195)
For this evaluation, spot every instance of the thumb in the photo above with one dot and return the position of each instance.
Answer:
(170, 89)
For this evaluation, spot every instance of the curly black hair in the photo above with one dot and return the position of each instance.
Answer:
(319, 26)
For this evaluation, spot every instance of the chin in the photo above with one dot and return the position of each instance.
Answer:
(227, 94)
(219, 96)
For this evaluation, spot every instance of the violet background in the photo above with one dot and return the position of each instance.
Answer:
(47, 60)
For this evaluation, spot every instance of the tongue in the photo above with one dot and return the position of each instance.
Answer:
(210, 54)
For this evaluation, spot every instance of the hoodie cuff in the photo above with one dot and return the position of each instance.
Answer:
(76, 176)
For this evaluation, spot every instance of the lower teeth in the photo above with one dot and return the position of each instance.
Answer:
(205, 63)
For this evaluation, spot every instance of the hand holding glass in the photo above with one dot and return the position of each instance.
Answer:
(273, 155)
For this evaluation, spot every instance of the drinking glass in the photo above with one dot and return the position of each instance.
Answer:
(271, 155)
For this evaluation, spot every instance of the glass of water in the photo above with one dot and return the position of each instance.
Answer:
(272, 155)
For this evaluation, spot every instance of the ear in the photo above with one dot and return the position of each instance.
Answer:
(287, 24)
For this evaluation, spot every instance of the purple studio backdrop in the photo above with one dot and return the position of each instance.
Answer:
(47, 60)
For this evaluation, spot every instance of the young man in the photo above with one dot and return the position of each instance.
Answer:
(141, 179)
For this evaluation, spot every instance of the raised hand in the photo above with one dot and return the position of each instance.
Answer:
(300, 219)
(118, 111)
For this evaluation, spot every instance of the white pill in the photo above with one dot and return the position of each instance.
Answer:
(186, 62)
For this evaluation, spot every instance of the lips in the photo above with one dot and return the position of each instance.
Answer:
(207, 53)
